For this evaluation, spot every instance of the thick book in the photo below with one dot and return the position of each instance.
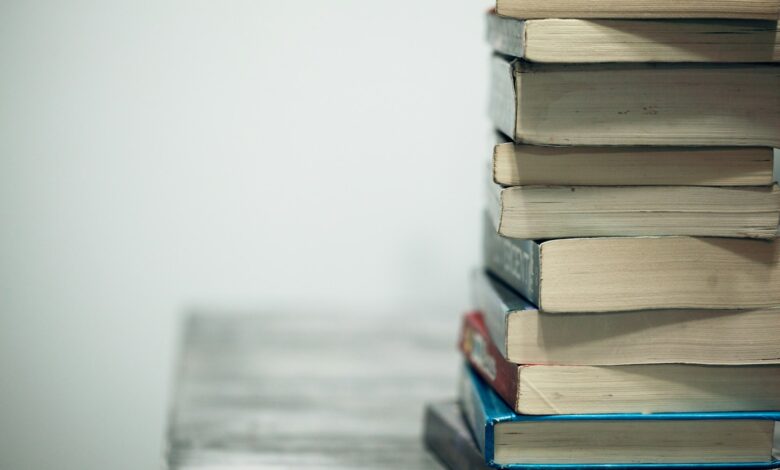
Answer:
(630, 440)
(620, 40)
(614, 274)
(536, 389)
(748, 9)
(445, 434)
(524, 335)
(637, 103)
(543, 212)
(539, 165)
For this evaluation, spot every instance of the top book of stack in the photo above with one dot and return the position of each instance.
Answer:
(636, 72)
(561, 40)
(735, 9)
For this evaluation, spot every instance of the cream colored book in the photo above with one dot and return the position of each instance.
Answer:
(526, 335)
(636, 104)
(613, 274)
(621, 40)
(541, 389)
(748, 9)
(660, 388)
(528, 165)
(544, 212)
(511, 440)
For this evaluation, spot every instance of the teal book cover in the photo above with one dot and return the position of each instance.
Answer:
(483, 410)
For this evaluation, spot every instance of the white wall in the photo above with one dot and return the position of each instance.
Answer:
(161, 155)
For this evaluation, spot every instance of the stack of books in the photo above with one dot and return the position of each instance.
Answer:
(628, 311)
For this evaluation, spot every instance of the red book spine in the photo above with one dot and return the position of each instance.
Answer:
(486, 359)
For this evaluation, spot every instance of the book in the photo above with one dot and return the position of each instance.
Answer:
(749, 9)
(612, 274)
(528, 165)
(542, 212)
(630, 440)
(536, 389)
(636, 104)
(445, 434)
(524, 335)
(620, 40)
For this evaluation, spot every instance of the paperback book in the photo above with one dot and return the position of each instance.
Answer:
(613, 274)
(572, 40)
(636, 103)
(538, 389)
(625, 441)
(525, 335)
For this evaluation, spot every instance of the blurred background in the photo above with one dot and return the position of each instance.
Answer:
(163, 156)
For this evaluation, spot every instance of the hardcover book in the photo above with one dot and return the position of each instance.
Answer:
(536, 389)
(524, 335)
(637, 103)
(614, 274)
(621, 40)
(626, 441)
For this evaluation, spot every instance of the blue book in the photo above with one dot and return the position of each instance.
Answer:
(614, 441)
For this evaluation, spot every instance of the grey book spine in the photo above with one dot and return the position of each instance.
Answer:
(448, 438)
(494, 310)
(496, 301)
(503, 102)
(506, 35)
(514, 261)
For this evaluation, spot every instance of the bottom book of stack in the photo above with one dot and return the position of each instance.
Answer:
(481, 431)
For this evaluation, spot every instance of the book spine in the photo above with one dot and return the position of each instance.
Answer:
(452, 445)
(474, 413)
(486, 359)
(502, 104)
(514, 261)
(494, 311)
(506, 35)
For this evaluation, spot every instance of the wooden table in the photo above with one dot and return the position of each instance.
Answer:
(328, 391)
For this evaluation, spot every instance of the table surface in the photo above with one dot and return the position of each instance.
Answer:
(296, 391)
